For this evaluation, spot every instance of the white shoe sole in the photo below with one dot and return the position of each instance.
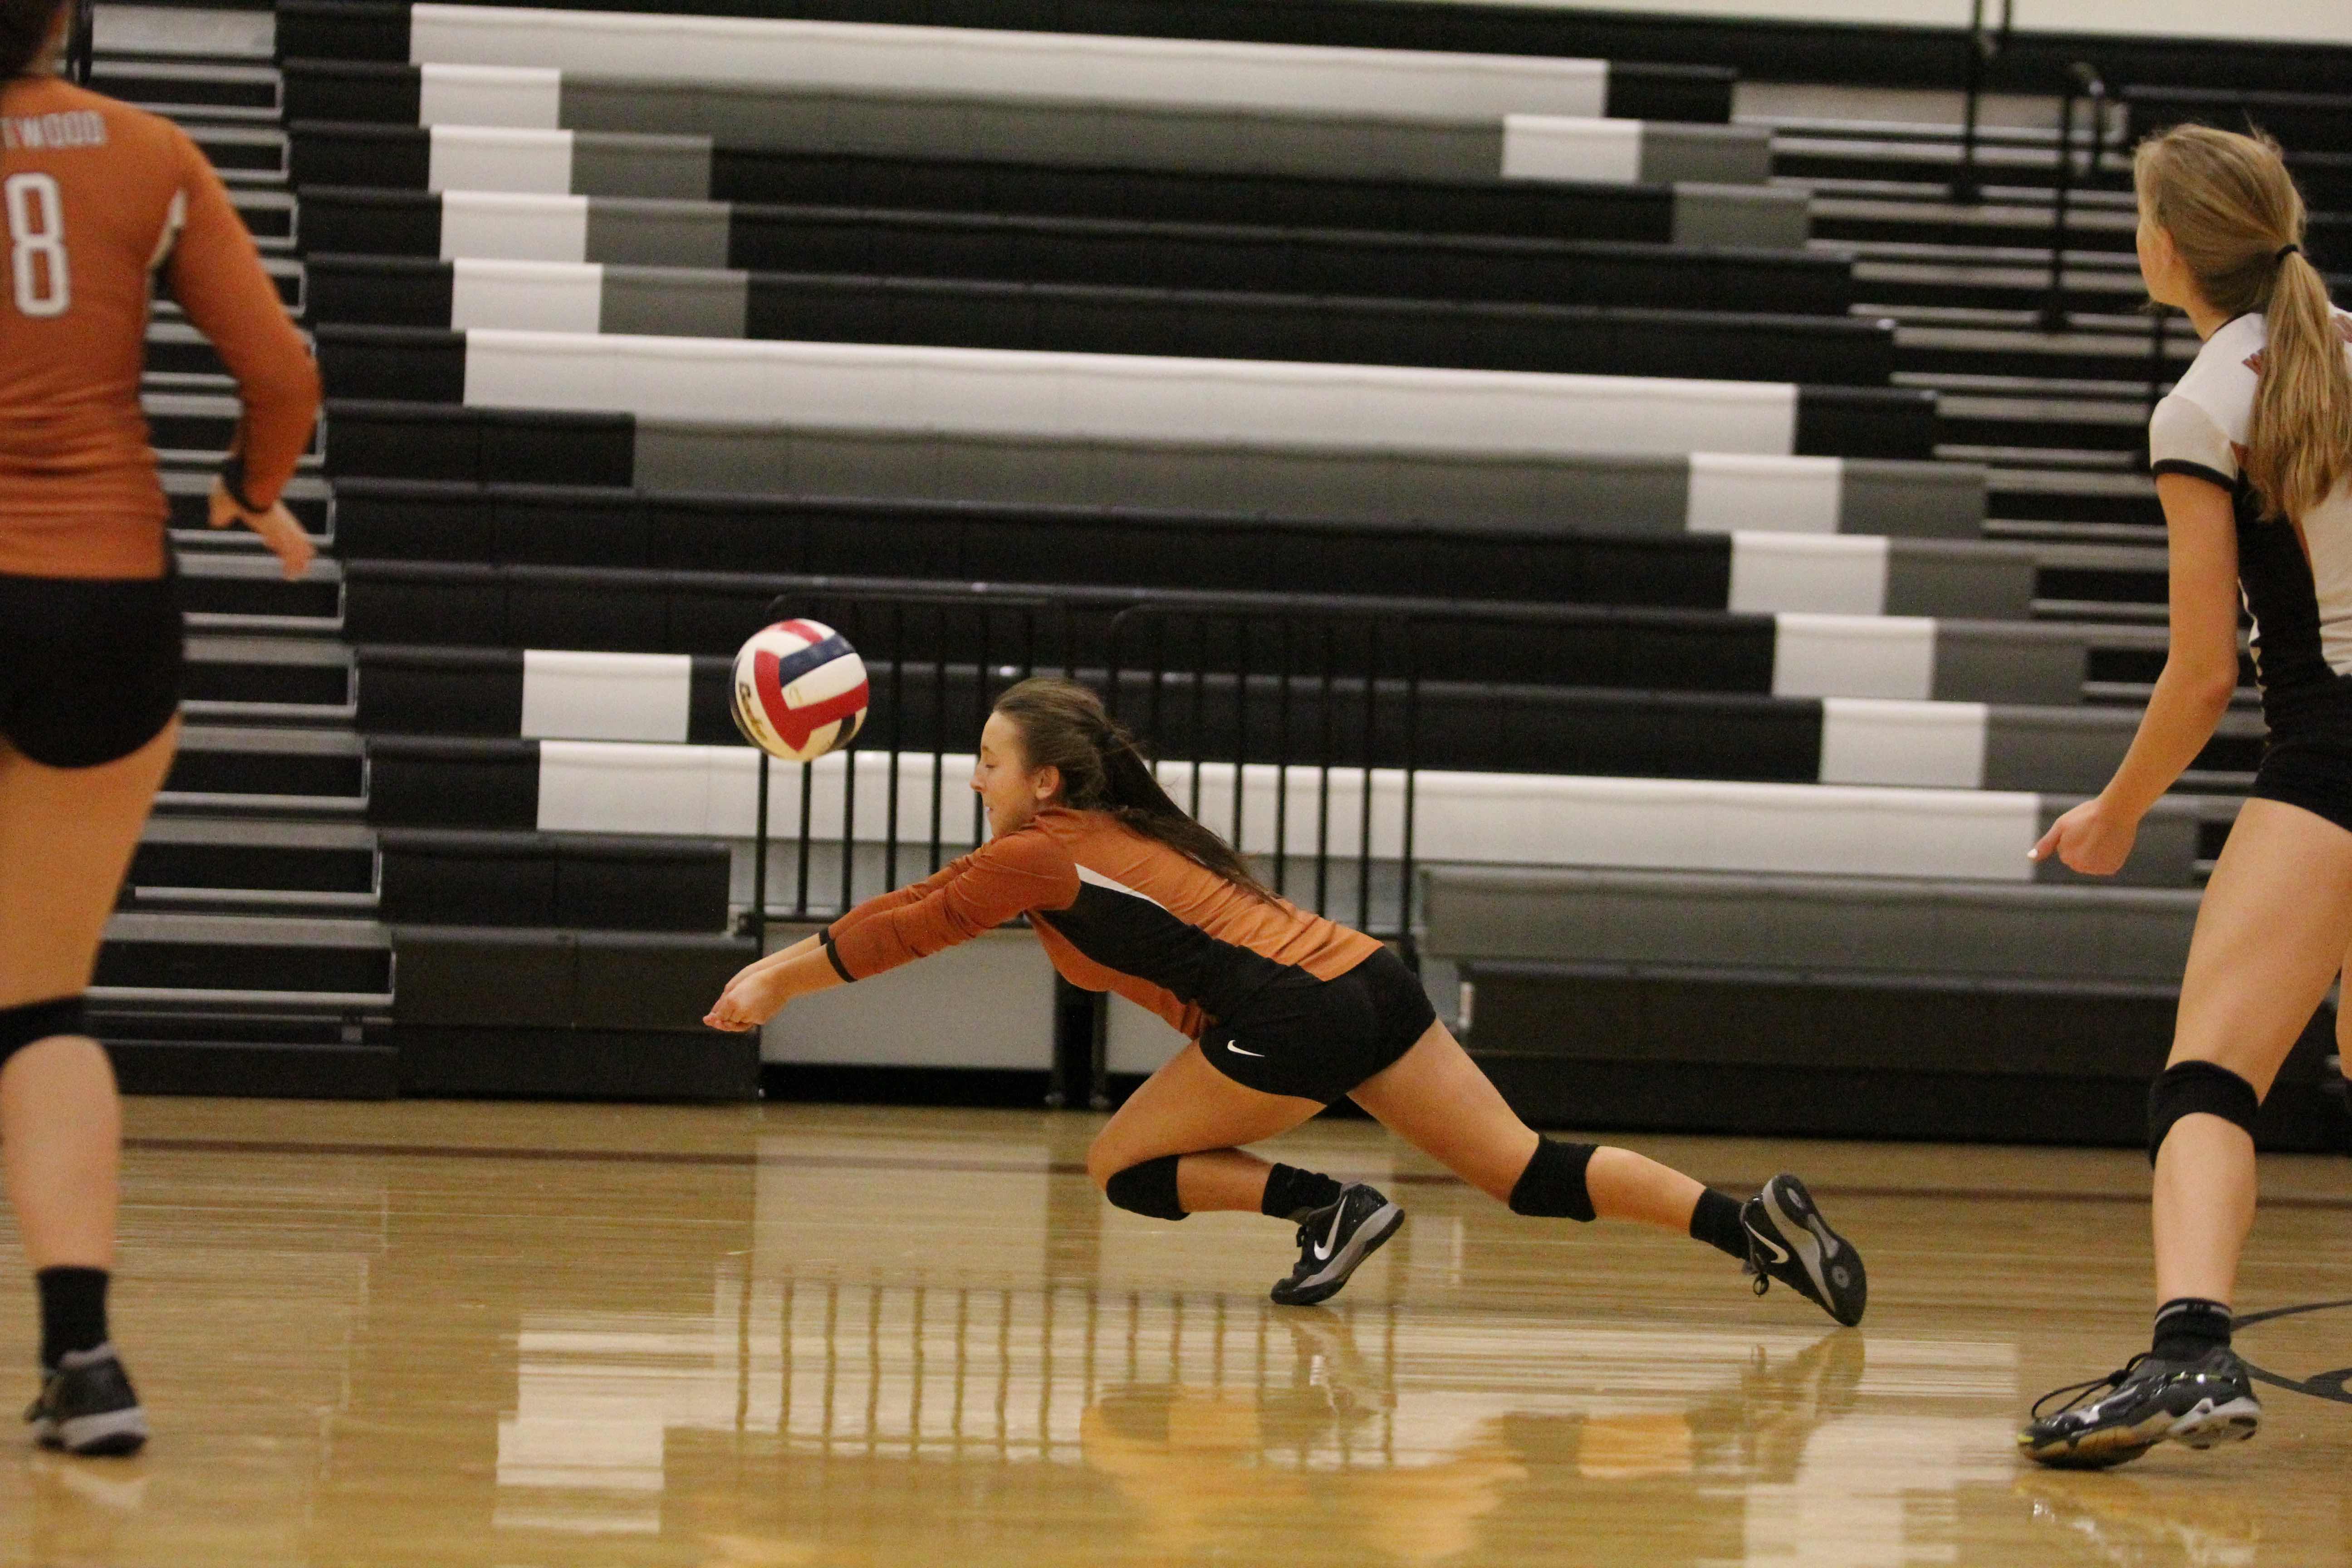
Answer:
(107, 1431)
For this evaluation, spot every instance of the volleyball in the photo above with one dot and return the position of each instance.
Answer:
(800, 690)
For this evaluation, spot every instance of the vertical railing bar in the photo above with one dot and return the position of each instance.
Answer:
(1323, 781)
(939, 730)
(897, 739)
(1371, 755)
(1412, 769)
(800, 877)
(1198, 741)
(979, 713)
(1241, 721)
(760, 860)
(1282, 764)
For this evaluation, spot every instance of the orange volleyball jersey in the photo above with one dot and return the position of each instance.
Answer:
(1116, 911)
(99, 198)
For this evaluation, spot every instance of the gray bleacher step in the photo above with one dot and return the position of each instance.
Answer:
(258, 681)
(2033, 531)
(255, 864)
(262, 963)
(224, 33)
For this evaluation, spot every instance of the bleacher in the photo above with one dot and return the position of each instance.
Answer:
(1758, 581)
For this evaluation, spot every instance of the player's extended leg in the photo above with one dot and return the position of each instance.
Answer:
(66, 839)
(1172, 1149)
(2271, 936)
(1436, 1099)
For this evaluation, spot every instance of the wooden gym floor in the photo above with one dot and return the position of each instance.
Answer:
(522, 1335)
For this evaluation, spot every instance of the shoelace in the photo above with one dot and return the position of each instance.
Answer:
(1753, 1267)
(2076, 1394)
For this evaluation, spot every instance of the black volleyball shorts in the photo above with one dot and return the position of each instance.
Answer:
(89, 669)
(2313, 774)
(1317, 1039)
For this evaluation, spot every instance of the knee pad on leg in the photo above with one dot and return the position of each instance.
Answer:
(2194, 1088)
(1553, 1184)
(1147, 1189)
(20, 1026)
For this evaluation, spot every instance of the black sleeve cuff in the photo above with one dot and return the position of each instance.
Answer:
(232, 478)
(833, 958)
(2195, 471)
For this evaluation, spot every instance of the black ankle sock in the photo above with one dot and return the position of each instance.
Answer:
(1292, 1193)
(1716, 1221)
(73, 1311)
(2187, 1327)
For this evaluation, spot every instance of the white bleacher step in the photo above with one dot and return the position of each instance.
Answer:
(981, 62)
(1471, 818)
(882, 386)
(185, 32)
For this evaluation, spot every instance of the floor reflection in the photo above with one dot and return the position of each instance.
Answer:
(1379, 1431)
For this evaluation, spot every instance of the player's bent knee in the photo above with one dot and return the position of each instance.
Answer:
(1553, 1185)
(1148, 1189)
(36, 1021)
(2193, 1088)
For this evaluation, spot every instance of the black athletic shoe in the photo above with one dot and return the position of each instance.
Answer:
(88, 1406)
(1332, 1241)
(1788, 1240)
(2201, 1402)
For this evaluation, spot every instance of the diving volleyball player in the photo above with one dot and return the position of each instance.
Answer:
(1285, 1012)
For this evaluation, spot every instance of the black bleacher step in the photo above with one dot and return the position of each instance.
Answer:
(313, 864)
(171, 87)
(571, 1015)
(1937, 223)
(242, 152)
(1288, 259)
(1833, 353)
(323, 767)
(274, 963)
(2105, 358)
(559, 881)
(277, 673)
(221, 582)
(313, 1062)
(2074, 424)
(188, 492)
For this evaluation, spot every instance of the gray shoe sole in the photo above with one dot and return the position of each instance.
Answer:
(108, 1432)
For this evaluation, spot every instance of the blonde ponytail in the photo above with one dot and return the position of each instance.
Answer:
(2237, 220)
(2299, 446)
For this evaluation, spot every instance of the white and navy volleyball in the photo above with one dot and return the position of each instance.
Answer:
(800, 690)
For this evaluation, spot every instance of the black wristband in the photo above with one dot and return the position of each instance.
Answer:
(824, 937)
(232, 478)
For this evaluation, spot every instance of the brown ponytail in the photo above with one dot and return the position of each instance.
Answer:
(1064, 725)
(24, 30)
(2237, 220)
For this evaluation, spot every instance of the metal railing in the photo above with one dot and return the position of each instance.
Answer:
(1291, 730)
(1984, 47)
(2082, 81)
(81, 42)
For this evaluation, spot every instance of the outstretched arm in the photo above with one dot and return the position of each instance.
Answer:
(1009, 877)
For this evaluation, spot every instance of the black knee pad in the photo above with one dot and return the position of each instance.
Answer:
(1148, 1189)
(2194, 1088)
(20, 1026)
(1553, 1184)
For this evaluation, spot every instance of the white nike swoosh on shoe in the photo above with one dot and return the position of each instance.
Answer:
(1779, 1253)
(1323, 1247)
(1239, 1052)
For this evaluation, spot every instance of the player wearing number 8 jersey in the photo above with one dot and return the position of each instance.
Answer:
(102, 202)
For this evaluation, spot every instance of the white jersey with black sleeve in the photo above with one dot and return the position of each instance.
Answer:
(2295, 577)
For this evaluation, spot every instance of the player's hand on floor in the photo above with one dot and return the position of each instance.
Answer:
(279, 529)
(2094, 838)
